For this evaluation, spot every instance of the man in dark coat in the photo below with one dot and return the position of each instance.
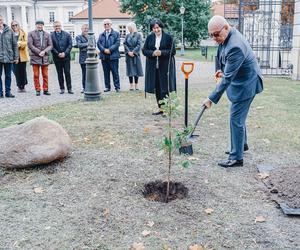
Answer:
(108, 44)
(39, 44)
(62, 46)
(8, 55)
(159, 49)
(240, 77)
(82, 43)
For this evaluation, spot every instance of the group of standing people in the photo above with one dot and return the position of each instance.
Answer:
(14, 46)
(159, 49)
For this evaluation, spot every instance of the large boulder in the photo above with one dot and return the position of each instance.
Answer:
(35, 142)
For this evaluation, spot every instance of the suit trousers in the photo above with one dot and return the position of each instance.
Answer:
(7, 71)
(238, 131)
(63, 67)
(83, 72)
(113, 67)
(20, 74)
(36, 76)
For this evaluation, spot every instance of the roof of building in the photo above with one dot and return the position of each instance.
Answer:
(103, 9)
(227, 11)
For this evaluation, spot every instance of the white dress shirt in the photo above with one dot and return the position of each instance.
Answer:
(157, 41)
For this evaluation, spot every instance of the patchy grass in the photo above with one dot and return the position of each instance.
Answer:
(93, 199)
(195, 54)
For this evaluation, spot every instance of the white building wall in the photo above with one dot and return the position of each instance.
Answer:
(296, 43)
(26, 12)
(98, 25)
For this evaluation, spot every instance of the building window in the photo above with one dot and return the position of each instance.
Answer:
(12, 16)
(70, 15)
(122, 30)
(27, 17)
(51, 17)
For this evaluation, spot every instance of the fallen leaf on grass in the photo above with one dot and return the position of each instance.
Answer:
(267, 141)
(193, 158)
(106, 212)
(196, 247)
(208, 210)
(260, 219)
(146, 130)
(146, 233)
(38, 190)
(87, 140)
(138, 246)
(263, 175)
(150, 223)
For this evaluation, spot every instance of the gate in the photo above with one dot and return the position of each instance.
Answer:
(268, 26)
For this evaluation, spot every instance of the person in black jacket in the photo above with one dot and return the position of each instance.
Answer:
(62, 46)
(108, 44)
(82, 43)
(159, 50)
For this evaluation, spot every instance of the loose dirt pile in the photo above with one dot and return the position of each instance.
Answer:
(284, 185)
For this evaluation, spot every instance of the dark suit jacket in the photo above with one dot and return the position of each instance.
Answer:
(62, 43)
(82, 43)
(167, 48)
(242, 77)
(113, 44)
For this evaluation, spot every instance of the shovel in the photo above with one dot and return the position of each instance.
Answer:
(188, 147)
(187, 71)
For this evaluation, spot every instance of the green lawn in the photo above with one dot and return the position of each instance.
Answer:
(195, 54)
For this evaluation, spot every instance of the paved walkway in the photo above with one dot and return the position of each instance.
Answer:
(200, 78)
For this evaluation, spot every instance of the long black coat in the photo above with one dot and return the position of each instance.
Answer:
(166, 47)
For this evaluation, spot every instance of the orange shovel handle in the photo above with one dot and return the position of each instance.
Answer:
(188, 71)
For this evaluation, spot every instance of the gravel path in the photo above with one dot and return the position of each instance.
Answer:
(28, 101)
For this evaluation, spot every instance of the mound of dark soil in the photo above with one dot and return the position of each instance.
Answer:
(156, 191)
(284, 185)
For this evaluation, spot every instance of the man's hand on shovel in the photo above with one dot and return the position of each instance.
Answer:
(207, 103)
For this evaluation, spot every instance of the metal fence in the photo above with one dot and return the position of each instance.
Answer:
(268, 26)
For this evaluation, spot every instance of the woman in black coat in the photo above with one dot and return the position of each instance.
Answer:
(159, 49)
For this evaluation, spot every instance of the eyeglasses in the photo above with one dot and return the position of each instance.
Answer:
(107, 24)
(13, 25)
(217, 33)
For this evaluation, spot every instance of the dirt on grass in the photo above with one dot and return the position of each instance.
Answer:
(284, 185)
(157, 191)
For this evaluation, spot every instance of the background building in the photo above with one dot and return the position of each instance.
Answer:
(103, 9)
(27, 11)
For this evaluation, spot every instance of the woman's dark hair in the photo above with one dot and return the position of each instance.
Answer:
(156, 21)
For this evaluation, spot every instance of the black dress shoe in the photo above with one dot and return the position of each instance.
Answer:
(70, 92)
(38, 93)
(246, 148)
(46, 92)
(62, 91)
(9, 95)
(231, 163)
(106, 90)
(1, 95)
(158, 113)
(117, 90)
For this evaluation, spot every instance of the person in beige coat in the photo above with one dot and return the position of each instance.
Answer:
(19, 69)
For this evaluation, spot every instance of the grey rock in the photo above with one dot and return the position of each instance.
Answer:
(35, 142)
